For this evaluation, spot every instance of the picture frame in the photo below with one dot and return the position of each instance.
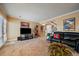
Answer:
(69, 24)
(24, 25)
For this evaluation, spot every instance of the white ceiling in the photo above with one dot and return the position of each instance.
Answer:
(39, 11)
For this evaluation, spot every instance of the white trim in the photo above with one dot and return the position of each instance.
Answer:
(63, 15)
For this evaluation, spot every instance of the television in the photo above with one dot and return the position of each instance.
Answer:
(25, 30)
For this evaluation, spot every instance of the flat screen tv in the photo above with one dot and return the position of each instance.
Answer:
(25, 30)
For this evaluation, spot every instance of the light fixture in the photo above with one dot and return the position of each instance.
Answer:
(43, 24)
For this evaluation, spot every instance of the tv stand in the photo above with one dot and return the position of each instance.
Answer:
(25, 37)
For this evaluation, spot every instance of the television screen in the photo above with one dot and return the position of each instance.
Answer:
(25, 31)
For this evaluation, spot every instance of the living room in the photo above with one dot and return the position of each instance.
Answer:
(23, 26)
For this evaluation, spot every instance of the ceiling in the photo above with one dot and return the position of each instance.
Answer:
(39, 11)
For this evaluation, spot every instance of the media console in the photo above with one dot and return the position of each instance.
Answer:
(25, 34)
(69, 38)
(25, 37)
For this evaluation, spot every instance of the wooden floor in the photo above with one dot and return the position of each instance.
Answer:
(32, 47)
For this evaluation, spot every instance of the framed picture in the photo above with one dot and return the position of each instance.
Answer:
(24, 25)
(69, 24)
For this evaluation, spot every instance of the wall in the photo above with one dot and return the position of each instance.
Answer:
(2, 11)
(13, 31)
(59, 21)
(14, 27)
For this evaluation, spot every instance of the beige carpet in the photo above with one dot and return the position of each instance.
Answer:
(32, 47)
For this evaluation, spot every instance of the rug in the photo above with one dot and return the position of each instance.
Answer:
(58, 49)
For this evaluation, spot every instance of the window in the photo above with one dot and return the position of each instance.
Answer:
(2, 31)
